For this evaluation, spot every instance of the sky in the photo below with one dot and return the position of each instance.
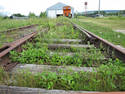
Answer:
(36, 6)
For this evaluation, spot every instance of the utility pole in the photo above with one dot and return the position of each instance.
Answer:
(86, 3)
(99, 7)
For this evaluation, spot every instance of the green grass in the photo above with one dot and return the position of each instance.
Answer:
(103, 31)
(6, 24)
(113, 22)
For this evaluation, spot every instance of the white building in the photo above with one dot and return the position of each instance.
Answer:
(58, 10)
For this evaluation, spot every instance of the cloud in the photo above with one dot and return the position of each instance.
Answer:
(1, 7)
(36, 6)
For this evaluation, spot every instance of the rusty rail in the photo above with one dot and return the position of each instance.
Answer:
(10, 46)
(4, 51)
(110, 48)
(23, 27)
(15, 44)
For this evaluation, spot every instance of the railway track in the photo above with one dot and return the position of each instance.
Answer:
(92, 38)
(110, 48)
(16, 33)
(89, 42)
(19, 28)
(22, 35)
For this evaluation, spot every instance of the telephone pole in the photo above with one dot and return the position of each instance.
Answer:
(99, 7)
(86, 3)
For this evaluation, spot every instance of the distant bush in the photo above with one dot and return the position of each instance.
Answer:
(43, 14)
(32, 15)
(18, 15)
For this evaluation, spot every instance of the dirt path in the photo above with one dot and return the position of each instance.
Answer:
(121, 31)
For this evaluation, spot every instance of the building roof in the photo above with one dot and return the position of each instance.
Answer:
(57, 6)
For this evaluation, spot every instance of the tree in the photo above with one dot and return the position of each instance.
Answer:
(95, 12)
(103, 12)
(123, 11)
(18, 15)
(43, 14)
(31, 15)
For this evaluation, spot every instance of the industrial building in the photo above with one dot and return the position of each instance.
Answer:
(60, 9)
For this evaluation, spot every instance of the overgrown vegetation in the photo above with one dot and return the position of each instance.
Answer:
(39, 53)
(107, 78)
(43, 56)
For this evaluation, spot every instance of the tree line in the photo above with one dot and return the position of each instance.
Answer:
(118, 13)
(30, 15)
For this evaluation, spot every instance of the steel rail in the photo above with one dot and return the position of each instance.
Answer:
(4, 51)
(97, 41)
(23, 27)
(15, 44)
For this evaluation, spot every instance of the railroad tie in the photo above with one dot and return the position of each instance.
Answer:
(33, 68)
(52, 46)
(64, 40)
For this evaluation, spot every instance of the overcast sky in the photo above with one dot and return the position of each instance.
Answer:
(36, 6)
